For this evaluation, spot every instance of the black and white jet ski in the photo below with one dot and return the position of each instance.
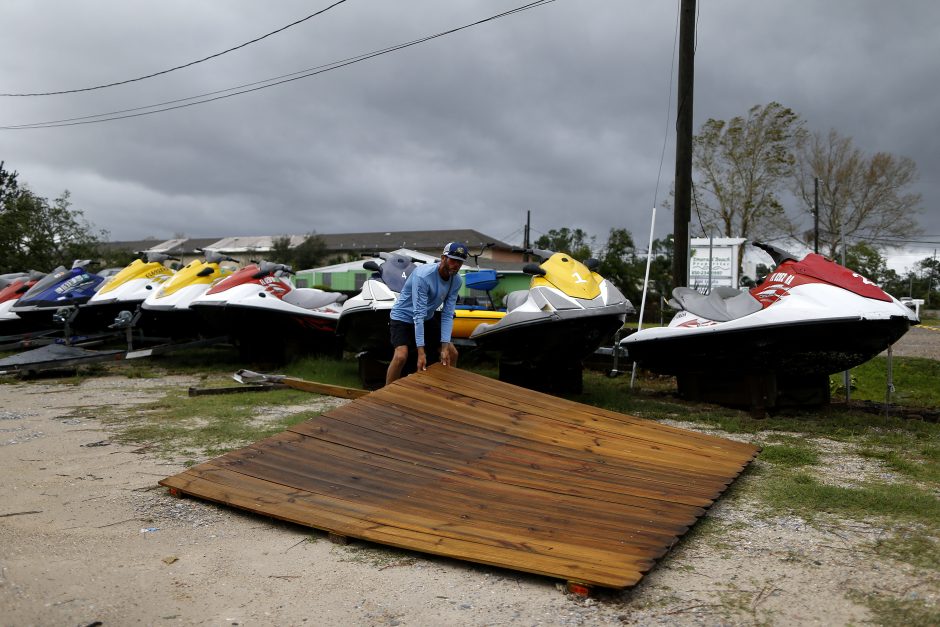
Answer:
(363, 322)
(125, 291)
(564, 316)
(809, 317)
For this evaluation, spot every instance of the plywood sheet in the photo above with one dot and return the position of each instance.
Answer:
(456, 464)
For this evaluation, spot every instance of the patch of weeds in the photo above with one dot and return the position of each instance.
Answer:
(900, 612)
(706, 530)
(179, 425)
(805, 495)
(914, 380)
(912, 547)
(919, 464)
(379, 557)
(325, 370)
(789, 455)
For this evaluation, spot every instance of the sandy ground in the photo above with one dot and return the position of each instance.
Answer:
(87, 536)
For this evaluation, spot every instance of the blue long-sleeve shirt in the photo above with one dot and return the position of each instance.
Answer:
(423, 293)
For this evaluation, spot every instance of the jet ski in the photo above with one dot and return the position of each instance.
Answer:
(267, 317)
(166, 312)
(810, 317)
(12, 286)
(564, 316)
(363, 322)
(125, 291)
(58, 291)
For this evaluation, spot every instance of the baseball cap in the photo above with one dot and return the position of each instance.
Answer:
(456, 250)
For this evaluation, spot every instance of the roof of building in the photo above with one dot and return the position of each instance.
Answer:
(415, 240)
(353, 242)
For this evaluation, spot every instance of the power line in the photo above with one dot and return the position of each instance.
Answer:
(258, 85)
(178, 67)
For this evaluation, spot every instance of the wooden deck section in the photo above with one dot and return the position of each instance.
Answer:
(456, 464)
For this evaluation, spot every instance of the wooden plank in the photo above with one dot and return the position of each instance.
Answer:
(489, 502)
(452, 463)
(246, 493)
(323, 388)
(420, 453)
(458, 431)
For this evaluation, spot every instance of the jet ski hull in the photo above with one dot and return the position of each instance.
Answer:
(365, 329)
(810, 347)
(560, 337)
(269, 333)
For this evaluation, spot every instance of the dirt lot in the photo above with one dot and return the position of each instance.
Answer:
(86, 535)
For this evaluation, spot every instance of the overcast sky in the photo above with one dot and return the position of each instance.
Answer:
(565, 110)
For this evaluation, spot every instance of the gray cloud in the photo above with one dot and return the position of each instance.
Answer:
(561, 110)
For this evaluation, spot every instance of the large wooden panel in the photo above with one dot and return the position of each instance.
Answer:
(456, 464)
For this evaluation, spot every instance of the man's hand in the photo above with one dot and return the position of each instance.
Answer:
(449, 354)
(422, 359)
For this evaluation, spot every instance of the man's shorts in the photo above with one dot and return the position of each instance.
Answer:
(403, 334)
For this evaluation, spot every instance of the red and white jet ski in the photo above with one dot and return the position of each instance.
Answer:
(809, 317)
(266, 316)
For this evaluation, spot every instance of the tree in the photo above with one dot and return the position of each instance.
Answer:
(930, 271)
(9, 188)
(619, 264)
(859, 197)
(308, 254)
(625, 266)
(741, 166)
(37, 234)
(281, 250)
(576, 243)
(867, 261)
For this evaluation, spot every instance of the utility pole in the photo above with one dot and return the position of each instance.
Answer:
(683, 184)
(525, 243)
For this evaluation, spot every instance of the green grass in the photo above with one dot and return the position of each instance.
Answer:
(789, 455)
(891, 611)
(805, 495)
(917, 464)
(915, 381)
(911, 546)
(199, 426)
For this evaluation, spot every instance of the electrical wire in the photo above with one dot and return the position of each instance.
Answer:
(178, 67)
(672, 73)
(259, 85)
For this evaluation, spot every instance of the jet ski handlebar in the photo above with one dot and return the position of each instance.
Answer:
(533, 269)
(266, 268)
(779, 255)
(386, 256)
(157, 257)
(213, 256)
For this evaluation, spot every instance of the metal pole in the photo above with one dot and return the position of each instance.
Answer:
(889, 389)
(711, 241)
(646, 282)
(846, 376)
(816, 215)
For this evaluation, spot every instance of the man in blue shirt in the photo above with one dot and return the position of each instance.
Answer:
(415, 324)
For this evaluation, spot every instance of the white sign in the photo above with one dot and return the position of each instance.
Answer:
(723, 255)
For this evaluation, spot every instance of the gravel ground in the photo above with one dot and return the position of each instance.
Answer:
(86, 535)
(920, 341)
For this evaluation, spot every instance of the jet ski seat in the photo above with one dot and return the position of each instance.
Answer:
(721, 304)
(310, 298)
(514, 299)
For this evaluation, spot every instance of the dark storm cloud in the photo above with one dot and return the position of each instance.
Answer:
(561, 110)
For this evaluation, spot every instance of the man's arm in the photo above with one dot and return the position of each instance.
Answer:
(448, 350)
(419, 304)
